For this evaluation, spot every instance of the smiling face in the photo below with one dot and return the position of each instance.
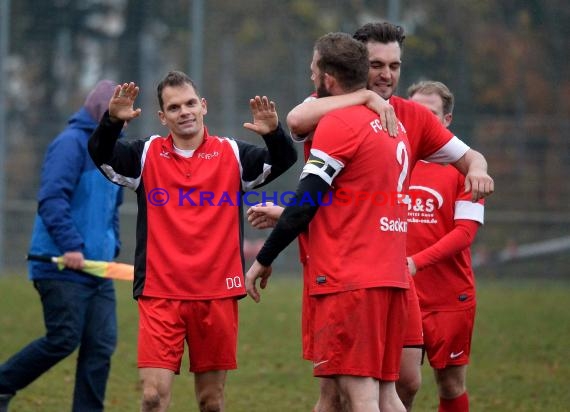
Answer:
(385, 63)
(183, 113)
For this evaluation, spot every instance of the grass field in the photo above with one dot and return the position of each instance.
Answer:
(519, 360)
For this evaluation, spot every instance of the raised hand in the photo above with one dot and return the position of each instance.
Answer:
(121, 103)
(265, 119)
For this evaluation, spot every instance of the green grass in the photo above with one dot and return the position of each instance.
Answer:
(519, 360)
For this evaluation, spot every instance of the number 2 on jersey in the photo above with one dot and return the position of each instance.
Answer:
(402, 158)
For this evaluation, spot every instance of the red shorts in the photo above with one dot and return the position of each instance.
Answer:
(359, 333)
(414, 337)
(209, 327)
(447, 337)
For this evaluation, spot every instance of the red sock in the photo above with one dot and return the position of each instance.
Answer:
(459, 404)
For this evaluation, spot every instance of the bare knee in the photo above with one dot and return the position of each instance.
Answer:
(389, 400)
(410, 376)
(451, 381)
(209, 388)
(329, 397)
(361, 393)
(151, 400)
(155, 397)
(407, 387)
(211, 402)
(156, 384)
(450, 389)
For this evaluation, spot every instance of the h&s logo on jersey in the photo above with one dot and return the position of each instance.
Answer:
(424, 205)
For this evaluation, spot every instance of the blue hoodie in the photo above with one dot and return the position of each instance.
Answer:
(77, 206)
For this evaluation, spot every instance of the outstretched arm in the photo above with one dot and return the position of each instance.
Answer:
(303, 118)
(123, 160)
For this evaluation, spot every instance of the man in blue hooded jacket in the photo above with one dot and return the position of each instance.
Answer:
(77, 217)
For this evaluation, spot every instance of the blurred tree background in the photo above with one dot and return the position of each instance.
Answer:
(507, 63)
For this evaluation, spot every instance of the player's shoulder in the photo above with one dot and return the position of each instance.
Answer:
(408, 105)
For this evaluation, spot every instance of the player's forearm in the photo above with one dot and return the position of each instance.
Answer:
(472, 161)
(282, 153)
(303, 118)
(103, 140)
(452, 243)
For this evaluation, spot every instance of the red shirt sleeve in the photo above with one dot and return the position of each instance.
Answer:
(459, 238)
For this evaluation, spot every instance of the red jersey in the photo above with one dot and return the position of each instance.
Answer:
(438, 199)
(358, 244)
(429, 139)
(189, 222)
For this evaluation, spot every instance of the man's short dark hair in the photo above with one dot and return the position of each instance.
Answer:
(173, 79)
(380, 32)
(344, 58)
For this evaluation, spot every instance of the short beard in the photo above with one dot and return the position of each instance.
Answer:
(322, 90)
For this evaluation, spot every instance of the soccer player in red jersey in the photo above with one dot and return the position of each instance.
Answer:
(429, 139)
(358, 297)
(442, 224)
(188, 260)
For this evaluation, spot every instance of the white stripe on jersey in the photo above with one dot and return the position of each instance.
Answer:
(259, 179)
(129, 182)
(465, 209)
(451, 152)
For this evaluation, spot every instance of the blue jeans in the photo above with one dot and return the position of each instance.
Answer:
(75, 315)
